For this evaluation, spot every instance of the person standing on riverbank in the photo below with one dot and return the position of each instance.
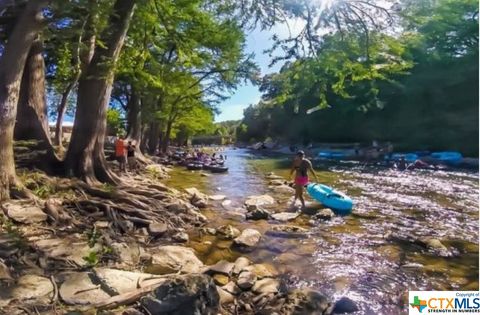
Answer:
(301, 166)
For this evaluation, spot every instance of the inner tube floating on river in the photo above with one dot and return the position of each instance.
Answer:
(329, 197)
(218, 168)
(194, 167)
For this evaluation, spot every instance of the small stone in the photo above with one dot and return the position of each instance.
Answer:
(246, 280)
(228, 232)
(285, 216)
(345, 305)
(101, 224)
(249, 238)
(226, 203)
(24, 213)
(324, 214)
(240, 264)
(157, 228)
(180, 237)
(266, 286)
(232, 287)
(220, 279)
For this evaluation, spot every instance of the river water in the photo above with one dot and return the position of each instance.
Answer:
(370, 256)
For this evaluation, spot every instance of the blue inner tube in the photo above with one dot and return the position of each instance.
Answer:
(409, 157)
(449, 157)
(327, 196)
(331, 155)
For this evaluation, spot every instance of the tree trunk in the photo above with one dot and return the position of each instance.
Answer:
(153, 133)
(166, 139)
(85, 157)
(32, 121)
(134, 119)
(12, 64)
(85, 51)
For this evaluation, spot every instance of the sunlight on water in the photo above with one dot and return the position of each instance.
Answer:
(372, 256)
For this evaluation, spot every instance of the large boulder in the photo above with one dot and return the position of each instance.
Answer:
(169, 259)
(345, 305)
(324, 214)
(189, 294)
(259, 200)
(248, 239)
(24, 213)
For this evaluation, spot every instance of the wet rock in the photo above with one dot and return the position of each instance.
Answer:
(24, 213)
(259, 200)
(208, 230)
(217, 197)
(176, 258)
(285, 216)
(256, 213)
(311, 208)
(228, 232)
(305, 301)
(287, 231)
(272, 176)
(246, 280)
(220, 279)
(240, 264)
(232, 288)
(180, 237)
(265, 286)
(225, 297)
(157, 229)
(249, 238)
(324, 214)
(282, 189)
(190, 294)
(345, 305)
(436, 246)
(222, 267)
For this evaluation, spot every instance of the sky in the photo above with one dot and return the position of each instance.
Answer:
(257, 42)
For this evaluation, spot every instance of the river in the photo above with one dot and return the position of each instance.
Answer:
(369, 256)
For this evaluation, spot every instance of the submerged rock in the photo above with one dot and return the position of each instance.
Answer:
(249, 238)
(305, 301)
(345, 305)
(189, 294)
(227, 232)
(217, 197)
(287, 231)
(220, 279)
(175, 258)
(324, 214)
(436, 246)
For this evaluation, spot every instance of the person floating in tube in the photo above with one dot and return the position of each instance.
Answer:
(300, 167)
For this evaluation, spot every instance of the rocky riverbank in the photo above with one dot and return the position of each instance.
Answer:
(122, 250)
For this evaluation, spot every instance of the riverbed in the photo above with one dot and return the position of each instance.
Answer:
(371, 256)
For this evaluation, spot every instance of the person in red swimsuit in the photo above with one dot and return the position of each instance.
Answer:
(300, 167)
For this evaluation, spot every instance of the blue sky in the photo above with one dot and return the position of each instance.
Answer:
(232, 109)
